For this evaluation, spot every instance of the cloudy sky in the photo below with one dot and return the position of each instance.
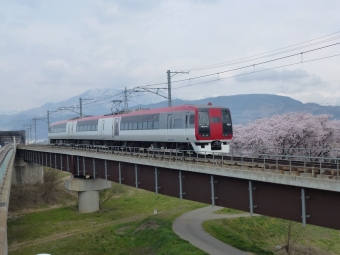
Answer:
(53, 50)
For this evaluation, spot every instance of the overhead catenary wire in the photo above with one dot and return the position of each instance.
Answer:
(247, 59)
(230, 70)
(251, 65)
(218, 73)
(248, 73)
(258, 71)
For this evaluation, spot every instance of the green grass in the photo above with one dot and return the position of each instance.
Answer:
(105, 232)
(229, 211)
(261, 235)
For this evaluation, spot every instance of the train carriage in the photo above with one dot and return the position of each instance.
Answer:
(203, 128)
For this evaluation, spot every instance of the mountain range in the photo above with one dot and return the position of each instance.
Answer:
(244, 108)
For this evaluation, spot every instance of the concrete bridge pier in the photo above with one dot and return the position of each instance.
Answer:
(26, 172)
(88, 192)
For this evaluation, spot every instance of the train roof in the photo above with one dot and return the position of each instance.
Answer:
(140, 111)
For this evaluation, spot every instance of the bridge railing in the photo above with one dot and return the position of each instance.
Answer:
(5, 156)
(325, 167)
(308, 152)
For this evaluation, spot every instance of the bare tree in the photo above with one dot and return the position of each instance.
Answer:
(292, 234)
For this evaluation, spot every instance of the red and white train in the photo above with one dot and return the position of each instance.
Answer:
(204, 129)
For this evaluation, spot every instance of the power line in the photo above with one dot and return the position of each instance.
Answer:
(95, 103)
(257, 55)
(263, 70)
(257, 64)
(230, 70)
(202, 76)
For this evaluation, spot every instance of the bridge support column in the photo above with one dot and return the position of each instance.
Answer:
(88, 192)
(26, 173)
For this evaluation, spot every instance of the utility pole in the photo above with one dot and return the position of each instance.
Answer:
(169, 85)
(48, 121)
(81, 105)
(30, 136)
(125, 100)
(35, 130)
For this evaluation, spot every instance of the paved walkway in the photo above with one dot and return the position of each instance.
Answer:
(189, 227)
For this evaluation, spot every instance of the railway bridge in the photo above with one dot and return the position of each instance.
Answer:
(305, 190)
(299, 190)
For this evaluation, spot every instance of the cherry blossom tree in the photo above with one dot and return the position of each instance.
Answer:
(298, 133)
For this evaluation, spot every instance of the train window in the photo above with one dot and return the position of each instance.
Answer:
(178, 123)
(140, 125)
(215, 119)
(130, 126)
(156, 124)
(122, 125)
(226, 122)
(145, 125)
(126, 126)
(225, 116)
(81, 128)
(93, 128)
(77, 128)
(134, 126)
(203, 118)
(150, 125)
(192, 119)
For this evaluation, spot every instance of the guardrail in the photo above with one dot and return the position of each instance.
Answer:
(320, 167)
(5, 156)
(6, 163)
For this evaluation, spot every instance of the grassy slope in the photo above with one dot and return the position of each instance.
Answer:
(261, 235)
(125, 225)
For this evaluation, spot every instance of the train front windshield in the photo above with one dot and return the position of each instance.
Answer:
(226, 122)
(203, 123)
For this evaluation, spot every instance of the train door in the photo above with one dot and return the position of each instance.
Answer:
(102, 128)
(115, 127)
(169, 127)
(186, 125)
(70, 129)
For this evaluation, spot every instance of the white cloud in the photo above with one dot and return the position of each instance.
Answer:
(62, 48)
